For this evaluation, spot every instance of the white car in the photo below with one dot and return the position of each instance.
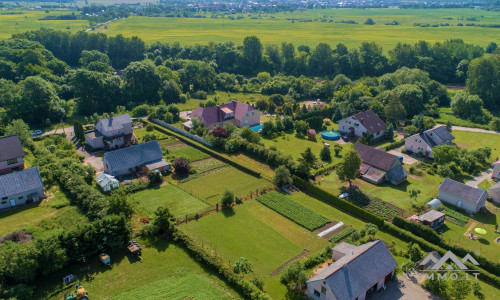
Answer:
(344, 195)
(36, 133)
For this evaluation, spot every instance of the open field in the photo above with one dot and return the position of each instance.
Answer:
(210, 188)
(163, 265)
(176, 200)
(257, 233)
(28, 20)
(473, 140)
(446, 115)
(308, 28)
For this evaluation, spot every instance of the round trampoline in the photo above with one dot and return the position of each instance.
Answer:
(330, 135)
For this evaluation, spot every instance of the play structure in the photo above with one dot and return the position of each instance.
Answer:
(330, 135)
(134, 249)
(105, 259)
(80, 294)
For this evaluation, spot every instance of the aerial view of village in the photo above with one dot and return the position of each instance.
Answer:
(250, 149)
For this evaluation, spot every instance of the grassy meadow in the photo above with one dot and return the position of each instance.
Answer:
(29, 20)
(313, 26)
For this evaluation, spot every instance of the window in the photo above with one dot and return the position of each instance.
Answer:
(12, 161)
(323, 290)
(316, 293)
(253, 113)
(20, 198)
(247, 114)
(4, 198)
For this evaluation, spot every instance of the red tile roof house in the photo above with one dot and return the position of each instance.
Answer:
(238, 113)
(379, 166)
(355, 272)
(11, 154)
(361, 124)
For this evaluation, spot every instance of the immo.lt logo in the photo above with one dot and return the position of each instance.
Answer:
(435, 267)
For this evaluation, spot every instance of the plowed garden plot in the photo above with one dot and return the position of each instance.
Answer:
(208, 164)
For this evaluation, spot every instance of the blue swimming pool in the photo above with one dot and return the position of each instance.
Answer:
(256, 128)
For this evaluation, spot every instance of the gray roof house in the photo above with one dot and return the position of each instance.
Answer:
(379, 166)
(494, 192)
(20, 188)
(355, 271)
(424, 142)
(11, 154)
(130, 160)
(111, 133)
(468, 198)
(432, 218)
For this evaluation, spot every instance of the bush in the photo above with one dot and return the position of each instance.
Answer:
(202, 95)
(181, 165)
(394, 145)
(418, 229)
(141, 111)
(227, 198)
(150, 128)
(155, 178)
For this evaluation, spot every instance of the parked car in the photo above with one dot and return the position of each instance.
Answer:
(36, 133)
(343, 195)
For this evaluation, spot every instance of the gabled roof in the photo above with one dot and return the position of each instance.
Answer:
(431, 216)
(427, 139)
(461, 191)
(216, 114)
(104, 179)
(496, 186)
(496, 163)
(358, 270)
(10, 147)
(441, 132)
(375, 158)
(134, 156)
(371, 121)
(115, 123)
(20, 182)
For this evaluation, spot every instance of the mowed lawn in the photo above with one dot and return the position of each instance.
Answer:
(29, 20)
(312, 27)
(179, 202)
(210, 187)
(395, 194)
(473, 140)
(257, 233)
(163, 265)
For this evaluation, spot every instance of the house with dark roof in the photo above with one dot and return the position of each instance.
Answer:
(379, 166)
(111, 133)
(11, 154)
(355, 272)
(432, 218)
(423, 142)
(238, 113)
(135, 159)
(362, 124)
(20, 188)
(466, 197)
(495, 174)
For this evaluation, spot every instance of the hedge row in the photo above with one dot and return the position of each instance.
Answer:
(206, 150)
(395, 145)
(426, 246)
(323, 113)
(337, 202)
(430, 235)
(249, 290)
(418, 229)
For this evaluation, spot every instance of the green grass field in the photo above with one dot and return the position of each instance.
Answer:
(257, 233)
(446, 115)
(176, 200)
(37, 218)
(268, 26)
(192, 286)
(473, 140)
(211, 187)
(163, 265)
(28, 20)
(189, 153)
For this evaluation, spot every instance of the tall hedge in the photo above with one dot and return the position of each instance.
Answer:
(337, 202)
(420, 230)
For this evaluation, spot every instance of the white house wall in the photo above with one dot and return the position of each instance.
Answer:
(416, 144)
(5, 202)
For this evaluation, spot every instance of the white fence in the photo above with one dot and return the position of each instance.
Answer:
(183, 132)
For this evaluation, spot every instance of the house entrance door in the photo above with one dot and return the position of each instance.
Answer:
(12, 202)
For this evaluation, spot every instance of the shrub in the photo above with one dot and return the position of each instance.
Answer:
(155, 178)
(394, 145)
(181, 165)
(227, 198)
(202, 95)
(150, 128)
(141, 111)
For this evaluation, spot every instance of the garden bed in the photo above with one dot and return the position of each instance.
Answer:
(374, 205)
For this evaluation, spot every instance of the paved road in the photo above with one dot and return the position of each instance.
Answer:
(407, 159)
(403, 289)
(480, 178)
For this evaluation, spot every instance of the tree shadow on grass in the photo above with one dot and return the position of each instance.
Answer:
(228, 212)
(484, 241)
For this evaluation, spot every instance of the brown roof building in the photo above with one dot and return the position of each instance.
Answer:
(379, 166)
(362, 124)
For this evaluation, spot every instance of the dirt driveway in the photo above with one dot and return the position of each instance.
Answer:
(407, 159)
(94, 161)
(404, 289)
